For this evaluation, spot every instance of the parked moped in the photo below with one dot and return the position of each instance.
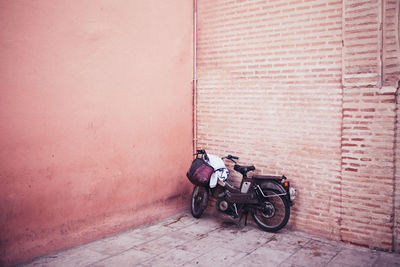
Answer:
(266, 198)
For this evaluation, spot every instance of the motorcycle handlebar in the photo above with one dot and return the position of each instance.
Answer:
(230, 157)
(203, 152)
(199, 152)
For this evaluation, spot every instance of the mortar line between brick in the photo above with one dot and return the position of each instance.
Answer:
(136, 247)
(161, 222)
(309, 240)
(381, 5)
(205, 252)
(341, 126)
(340, 250)
(194, 80)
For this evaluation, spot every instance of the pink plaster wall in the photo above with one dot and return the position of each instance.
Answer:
(95, 119)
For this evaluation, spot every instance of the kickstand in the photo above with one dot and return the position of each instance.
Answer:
(245, 213)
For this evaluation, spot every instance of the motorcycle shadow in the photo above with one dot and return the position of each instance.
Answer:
(225, 221)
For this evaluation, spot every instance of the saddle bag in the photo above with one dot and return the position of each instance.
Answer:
(200, 172)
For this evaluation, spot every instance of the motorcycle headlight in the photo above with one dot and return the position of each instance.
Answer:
(292, 193)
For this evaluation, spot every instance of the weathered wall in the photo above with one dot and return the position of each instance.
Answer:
(368, 129)
(306, 88)
(391, 43)
(396, 228)
(95, 119)
(392, 52)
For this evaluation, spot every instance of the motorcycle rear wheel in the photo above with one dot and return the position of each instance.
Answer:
(273, 214)
(199, 201)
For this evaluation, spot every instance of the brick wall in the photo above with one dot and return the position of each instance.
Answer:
(396, 229)
(295, 88)
(269, 90)
(393, 20)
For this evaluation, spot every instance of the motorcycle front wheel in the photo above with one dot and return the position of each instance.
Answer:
(199, 201)
(272, 214)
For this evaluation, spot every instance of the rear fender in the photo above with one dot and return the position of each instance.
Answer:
(274, 185)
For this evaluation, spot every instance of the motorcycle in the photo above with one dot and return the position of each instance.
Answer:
(267, 198)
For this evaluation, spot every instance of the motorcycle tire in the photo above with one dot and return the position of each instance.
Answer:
(199, 201)
(273, 214)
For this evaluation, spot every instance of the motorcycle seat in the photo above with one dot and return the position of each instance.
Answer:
(243, 169)
(266, 177)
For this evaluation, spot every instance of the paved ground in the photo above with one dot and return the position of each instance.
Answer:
(214, 241)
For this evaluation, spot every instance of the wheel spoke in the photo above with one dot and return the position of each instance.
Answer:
(273, 213)
(199, 201)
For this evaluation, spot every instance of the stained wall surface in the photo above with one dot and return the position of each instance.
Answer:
(95, 119)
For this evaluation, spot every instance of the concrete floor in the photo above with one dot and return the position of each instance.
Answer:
(214, 240)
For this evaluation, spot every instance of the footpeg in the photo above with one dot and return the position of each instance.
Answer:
(222, 194)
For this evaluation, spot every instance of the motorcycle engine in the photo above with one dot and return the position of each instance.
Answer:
(226, 207)
(222, 205)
